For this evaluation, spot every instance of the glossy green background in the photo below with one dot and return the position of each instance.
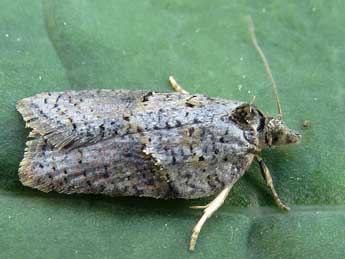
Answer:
(58, 45)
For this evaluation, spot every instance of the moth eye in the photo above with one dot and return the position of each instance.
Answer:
(261, 125)
(275, 138)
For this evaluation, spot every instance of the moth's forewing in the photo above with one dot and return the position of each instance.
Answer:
(133, 143)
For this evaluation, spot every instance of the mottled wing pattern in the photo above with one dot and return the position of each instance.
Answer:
(200, 159)
(114, 167)
(200, 149)
(149, 144)
(73, 118)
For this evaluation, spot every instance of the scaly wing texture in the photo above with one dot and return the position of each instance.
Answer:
(157, 145)
(73, 118)
(113, 167)
(199, 160)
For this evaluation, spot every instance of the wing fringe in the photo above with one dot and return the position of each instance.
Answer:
(56, 135)
(27, 175)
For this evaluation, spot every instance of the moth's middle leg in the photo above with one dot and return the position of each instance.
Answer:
(176, 86)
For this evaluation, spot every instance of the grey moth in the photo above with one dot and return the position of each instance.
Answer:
(142, 143)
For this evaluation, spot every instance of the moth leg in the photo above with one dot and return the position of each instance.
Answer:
(268, 178)
(176, 86)
(200, 206)
(212, 207)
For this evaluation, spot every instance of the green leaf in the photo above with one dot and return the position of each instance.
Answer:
(74, 44)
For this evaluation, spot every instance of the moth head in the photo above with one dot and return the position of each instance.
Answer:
(277, 133)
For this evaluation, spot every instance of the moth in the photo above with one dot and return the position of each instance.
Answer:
(148, 144)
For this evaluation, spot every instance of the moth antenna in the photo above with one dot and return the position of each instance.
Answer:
(251, 103)
(251, 30)
(253, 99)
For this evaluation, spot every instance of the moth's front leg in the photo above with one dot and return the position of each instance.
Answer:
(268, 178)
(176, 86)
